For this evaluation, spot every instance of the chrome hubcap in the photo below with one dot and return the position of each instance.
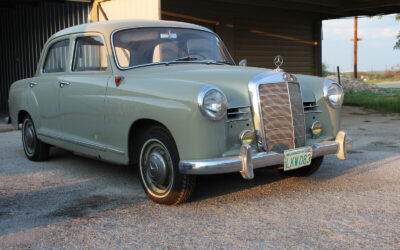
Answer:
(29, 137)
(156, 168)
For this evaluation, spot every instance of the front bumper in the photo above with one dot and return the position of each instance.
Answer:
(246, 162)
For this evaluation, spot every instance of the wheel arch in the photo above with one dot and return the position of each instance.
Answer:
(21, 114)
(138, 127)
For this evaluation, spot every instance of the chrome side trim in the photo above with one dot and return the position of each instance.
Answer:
(245, 162)
(90, 145)
(115, 151)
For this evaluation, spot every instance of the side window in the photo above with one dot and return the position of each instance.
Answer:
(89, 55)
(56, 59)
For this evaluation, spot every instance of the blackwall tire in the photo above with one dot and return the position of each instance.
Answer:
(35, 150)
(159, 171)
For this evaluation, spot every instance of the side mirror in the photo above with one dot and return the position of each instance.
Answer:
(243, 62)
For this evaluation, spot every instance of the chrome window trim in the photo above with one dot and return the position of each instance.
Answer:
(159, 63)
(267, 77)
(94, 146)
(200, 99)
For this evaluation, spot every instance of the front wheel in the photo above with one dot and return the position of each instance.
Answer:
(307, 170)
(34, 149)
(159, 171)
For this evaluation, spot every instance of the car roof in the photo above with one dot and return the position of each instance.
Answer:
(107, 27)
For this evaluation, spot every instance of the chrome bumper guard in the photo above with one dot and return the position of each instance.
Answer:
(246, 162)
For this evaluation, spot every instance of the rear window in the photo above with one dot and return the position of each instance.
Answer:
(56, 59)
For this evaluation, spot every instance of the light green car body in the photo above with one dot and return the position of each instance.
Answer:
(96, 117)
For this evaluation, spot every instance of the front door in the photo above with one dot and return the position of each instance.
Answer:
(83, 92)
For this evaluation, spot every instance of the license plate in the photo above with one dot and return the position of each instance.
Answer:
(297, 158)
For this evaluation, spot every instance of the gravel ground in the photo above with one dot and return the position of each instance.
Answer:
(354, 84)
(74, 202)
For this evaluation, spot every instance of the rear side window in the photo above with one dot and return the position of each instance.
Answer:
(89, 55)
(56, 59)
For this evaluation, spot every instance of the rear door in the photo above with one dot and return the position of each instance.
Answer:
(46, 86)
(83, 93)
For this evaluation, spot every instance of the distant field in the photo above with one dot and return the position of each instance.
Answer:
(382, 80)
(386, 100)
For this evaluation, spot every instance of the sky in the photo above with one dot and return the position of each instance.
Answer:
(375, 51)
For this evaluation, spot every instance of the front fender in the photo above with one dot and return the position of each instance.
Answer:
(312, 89)
(172, 103)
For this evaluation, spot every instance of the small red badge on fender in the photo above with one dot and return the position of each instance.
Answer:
(118, 80)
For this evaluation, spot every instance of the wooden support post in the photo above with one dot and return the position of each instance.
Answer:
(355, 46)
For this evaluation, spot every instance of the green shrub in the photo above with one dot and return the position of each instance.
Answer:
(386, 100)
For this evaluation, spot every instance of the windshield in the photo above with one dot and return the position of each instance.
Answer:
(143, 46)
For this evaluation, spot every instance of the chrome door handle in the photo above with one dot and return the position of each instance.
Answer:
(63, 84)
(32, 84)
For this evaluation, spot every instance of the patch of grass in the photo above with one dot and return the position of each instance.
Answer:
(383, 80)
(386, 100)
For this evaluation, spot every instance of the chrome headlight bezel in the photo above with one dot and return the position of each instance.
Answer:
(329, 97)
(207, 90)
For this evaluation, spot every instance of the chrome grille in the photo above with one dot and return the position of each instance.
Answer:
(282, 115)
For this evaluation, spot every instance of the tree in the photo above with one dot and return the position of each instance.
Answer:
(397, 45)
(325, 71)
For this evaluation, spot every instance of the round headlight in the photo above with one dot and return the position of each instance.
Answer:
(333, 94)
(212, 103)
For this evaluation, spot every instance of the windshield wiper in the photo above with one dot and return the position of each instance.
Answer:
(224, 62)
(186, 58)
(218, 62)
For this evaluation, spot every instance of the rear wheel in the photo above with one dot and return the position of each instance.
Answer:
(307, 170)
(34, 149)
(158, 168)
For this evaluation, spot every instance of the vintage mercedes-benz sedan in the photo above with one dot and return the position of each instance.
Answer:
(168, 98)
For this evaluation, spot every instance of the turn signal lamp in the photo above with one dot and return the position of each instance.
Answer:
(316, 128)
(246, 137)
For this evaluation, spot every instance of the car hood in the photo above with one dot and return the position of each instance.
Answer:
(232, 80)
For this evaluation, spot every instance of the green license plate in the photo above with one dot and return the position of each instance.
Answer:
(297, 158)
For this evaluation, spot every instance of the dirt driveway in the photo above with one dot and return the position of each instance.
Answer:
(75, 202)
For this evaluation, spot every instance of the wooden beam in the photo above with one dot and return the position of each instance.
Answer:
(285, 5)
(373, 5)
(326, 3)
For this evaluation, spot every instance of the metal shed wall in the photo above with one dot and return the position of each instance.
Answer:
(257, 34)
(25, 29)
